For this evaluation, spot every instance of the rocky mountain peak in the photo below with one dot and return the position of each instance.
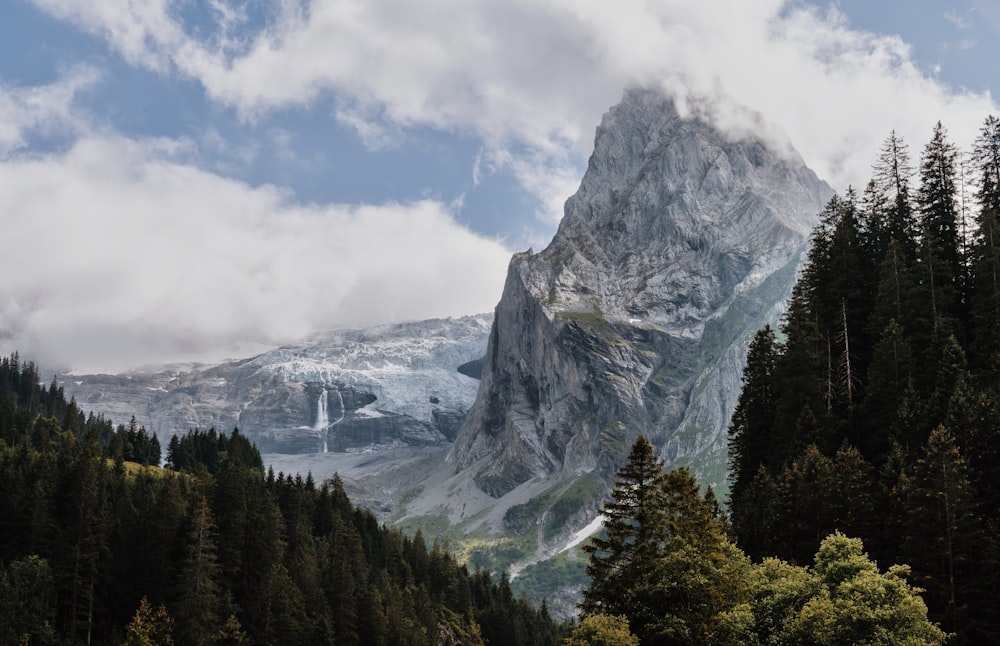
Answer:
(680, 242)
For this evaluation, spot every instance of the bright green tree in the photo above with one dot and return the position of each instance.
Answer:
(858, 605)
(842, 600)
(602, 630)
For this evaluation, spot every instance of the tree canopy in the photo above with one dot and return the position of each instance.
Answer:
(874, 410)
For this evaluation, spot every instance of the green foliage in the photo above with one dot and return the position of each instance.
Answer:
(546, 579)
(602, 630)
(879, 417)
(236, 555)
(209, 450)
(843, 599)
(27, 602)
(635, 532)
(133, 444)
(149, 627)
(664, 562)
(690, 585)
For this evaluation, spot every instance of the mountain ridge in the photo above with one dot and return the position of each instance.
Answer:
(388, 386)
(675, 226)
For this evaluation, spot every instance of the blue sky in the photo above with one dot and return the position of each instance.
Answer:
(193, 179)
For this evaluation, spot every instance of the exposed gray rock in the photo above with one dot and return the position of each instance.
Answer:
(679, 244)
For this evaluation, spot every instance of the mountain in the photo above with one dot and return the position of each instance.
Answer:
(347, 391)
(680, 243)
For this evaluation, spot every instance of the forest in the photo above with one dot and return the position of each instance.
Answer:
(98, 545)
(874, 409)
(666, 572)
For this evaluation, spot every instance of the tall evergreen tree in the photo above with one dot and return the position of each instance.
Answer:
(200, 597)
(986, 160)
(891, 181)
(698, 576)
(753, 418)
(938, 203)
(984, 322)
(635, 532)
(944, 538)
(888, 377)
(85, 526)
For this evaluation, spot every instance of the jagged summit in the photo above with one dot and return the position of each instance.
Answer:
(680, 242)
(658, 183)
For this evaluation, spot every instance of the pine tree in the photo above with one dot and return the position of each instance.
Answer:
(986, 158)
(937, 198)
(27, 602)
(200, 597)
(698, 576)
(985, 252)
(802, 383)
(753, 419)
(85, 526)
(889, 374)
(891, 180)
(944, 538)
(635, 532)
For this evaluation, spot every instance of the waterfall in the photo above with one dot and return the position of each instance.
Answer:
(322, 416)
(340, 402)
(323, 423)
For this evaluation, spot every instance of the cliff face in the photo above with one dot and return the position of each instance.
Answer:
(678, 246)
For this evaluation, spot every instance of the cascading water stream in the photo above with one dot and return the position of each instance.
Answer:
(322, 417)
(323, 423)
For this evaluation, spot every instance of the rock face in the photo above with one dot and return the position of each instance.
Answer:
(680, 244)
(344, 391)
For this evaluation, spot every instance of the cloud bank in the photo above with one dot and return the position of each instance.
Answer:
(539, 74)
(135, 250)
(126, 254)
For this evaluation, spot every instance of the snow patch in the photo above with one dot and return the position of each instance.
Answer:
(584, 533)
(369, 412)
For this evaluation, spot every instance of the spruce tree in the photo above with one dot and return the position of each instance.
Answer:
(888, 376)
(891, 180)
(753, 418)
(944, 538)
(200, 597)
(937, 199)
(698, 576)
(635, 532)
(985, 251)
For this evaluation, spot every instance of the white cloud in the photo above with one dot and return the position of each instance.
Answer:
(140, 253)
(957, 21)
(128, 254)
(531, 79)
(41, 109)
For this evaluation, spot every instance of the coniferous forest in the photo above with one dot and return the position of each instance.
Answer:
(875, 409)
(100, 546)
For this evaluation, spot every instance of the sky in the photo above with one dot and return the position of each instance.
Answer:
(190, 180)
